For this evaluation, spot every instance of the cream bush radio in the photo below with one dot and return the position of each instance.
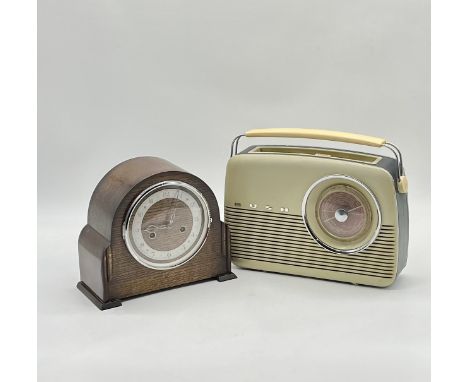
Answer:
(318, 212)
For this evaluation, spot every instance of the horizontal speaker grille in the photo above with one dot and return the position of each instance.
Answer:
(283, 239)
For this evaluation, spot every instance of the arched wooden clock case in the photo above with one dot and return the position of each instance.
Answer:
(109, 272)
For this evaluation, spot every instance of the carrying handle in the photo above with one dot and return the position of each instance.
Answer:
(329, 135)
(325, 135)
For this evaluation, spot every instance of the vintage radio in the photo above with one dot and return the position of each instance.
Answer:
(151, 226)
(318, 212)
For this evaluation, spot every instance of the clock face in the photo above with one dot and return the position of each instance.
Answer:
(166, 225)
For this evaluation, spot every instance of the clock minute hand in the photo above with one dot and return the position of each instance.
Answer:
(172, 217)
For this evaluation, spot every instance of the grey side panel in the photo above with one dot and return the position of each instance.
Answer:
(403, 228)
(390, 165)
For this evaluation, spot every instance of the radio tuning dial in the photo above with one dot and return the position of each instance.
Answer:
(341, 214)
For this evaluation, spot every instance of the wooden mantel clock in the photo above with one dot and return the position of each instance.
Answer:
(151, 226)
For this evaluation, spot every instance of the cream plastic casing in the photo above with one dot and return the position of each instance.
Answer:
(264, 193)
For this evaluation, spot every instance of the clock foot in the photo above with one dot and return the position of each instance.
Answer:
(95, 299)
(226, 277)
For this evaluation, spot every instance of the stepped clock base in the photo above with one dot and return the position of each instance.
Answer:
(95, 299)
(226, 277)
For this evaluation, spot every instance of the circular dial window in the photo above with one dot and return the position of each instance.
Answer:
(342, 214)
(166, 225)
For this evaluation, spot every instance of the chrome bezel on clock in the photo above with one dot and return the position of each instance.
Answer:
(127, 232)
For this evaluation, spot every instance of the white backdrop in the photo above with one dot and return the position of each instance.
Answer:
(180, 79)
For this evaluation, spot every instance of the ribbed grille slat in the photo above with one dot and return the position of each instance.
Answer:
(310, 254)
(317, 259)
(283, 239)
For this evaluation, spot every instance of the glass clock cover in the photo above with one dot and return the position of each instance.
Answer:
(166, 225)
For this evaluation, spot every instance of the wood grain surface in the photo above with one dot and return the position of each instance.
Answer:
(106, 265)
